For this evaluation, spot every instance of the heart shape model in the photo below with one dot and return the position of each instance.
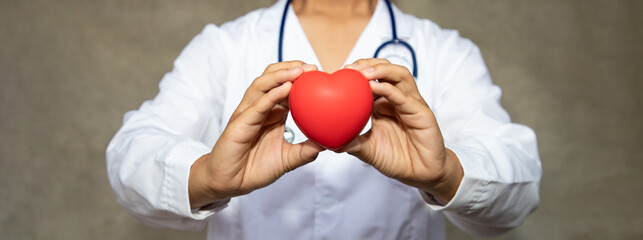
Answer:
(331, 109)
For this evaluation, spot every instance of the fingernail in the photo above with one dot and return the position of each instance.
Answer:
(351, 66)
(309, 67)
(368, 71)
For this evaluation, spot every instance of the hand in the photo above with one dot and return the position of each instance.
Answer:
(251, 152)
(405, 142)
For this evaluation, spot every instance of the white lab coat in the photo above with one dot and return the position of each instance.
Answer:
(336, 196)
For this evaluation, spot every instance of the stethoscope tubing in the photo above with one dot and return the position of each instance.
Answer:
(394, 41)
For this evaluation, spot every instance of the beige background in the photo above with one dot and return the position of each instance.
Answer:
(69, 70)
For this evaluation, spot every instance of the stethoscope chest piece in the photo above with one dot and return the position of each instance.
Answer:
(289, 135)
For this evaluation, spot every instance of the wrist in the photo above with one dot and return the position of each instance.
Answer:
(198, 190)
(445, 189)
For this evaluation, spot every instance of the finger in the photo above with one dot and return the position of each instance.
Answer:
(359, 147)
(392, 73)
(383, 71)
(366, 63)
(383, 107)
(282, 65)
(404, 104)
(264, 84)
(307, 68)
(259, 110)
(300, 154)
(289, 64)
(278, 115)
(270, 80)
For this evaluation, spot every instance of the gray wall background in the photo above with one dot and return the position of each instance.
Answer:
(70, 69)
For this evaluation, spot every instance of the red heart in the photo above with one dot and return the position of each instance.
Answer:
(331, 109)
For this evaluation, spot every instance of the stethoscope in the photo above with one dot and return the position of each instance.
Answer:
(289, 135)
(394, 41)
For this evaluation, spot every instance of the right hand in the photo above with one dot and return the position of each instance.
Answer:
(251, 153)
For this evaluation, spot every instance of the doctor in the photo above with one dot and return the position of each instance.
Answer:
(217, 146)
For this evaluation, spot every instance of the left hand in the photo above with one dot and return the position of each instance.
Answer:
(404, 142)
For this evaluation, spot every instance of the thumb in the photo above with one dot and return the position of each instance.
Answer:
(299, 154)
(359, 147)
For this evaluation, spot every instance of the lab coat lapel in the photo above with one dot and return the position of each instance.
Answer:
(295, 45)
(268, 31)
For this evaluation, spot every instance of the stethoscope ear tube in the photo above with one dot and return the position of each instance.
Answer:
(281, 33)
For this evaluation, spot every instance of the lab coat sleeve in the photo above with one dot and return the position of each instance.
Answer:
(500, 159)
(149, 158)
